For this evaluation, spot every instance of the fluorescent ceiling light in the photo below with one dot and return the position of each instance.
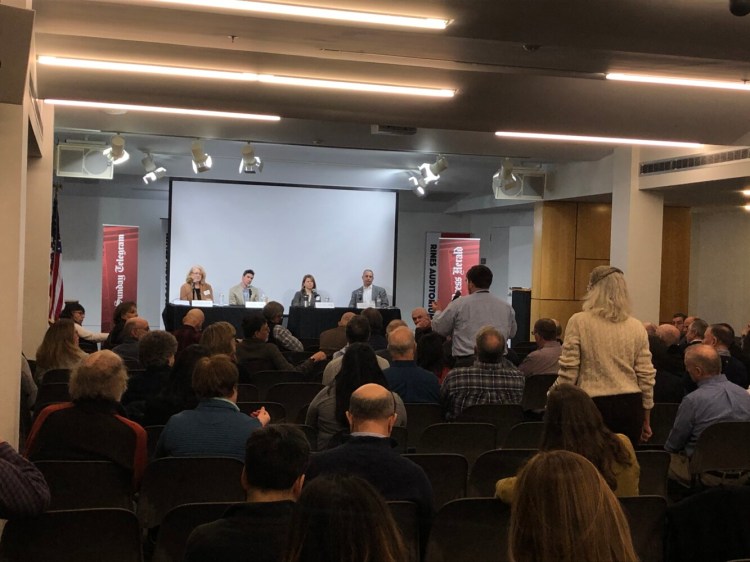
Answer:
(244, 77)
(674, 81)
(270, 8)
(603, 140)
(157, 109)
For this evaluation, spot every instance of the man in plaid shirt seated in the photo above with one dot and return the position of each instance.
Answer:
(492, 379)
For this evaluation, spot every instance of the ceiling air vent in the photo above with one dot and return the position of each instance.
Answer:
(393, 130)
(695, 161)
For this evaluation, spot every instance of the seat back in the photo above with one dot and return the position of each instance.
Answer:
(51, 394)
(470, 530)
(491, 466)
(535, 391)
(310, 433)
(662, 420)
(502, 416)
(247, 393)
(447, 472)
(87, 484)
(174, 481)
(73, 536)
(654, 468)
(153, 432)
(274, 409)
(647, 517)
(722, 447)
(293, 396)
(179, 523)
(407, 520)
(420, 416)
(266, 379)
(467, 439)
(59, 376)
(527, 435)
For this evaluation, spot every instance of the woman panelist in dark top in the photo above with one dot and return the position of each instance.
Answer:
(307, 295)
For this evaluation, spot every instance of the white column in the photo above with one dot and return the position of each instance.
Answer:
(637, 219)
(13, 156)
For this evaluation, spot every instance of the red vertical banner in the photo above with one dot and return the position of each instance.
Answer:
(455, 257)
(119, 269)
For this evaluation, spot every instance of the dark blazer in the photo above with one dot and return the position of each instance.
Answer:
(299, 298)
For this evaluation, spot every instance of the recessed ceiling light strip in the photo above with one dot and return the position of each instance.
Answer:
(674, 81)
(158, 109)
(244, 76)
(603, 140)
(270, 8)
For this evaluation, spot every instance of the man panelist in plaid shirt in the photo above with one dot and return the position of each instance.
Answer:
(492, 379)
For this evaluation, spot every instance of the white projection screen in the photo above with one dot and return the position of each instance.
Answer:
(282, 233)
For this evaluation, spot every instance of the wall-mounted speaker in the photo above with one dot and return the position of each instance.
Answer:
(83, 160)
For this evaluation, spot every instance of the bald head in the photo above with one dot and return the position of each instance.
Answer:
(194, 318)
(490, 346)
(702, 362)
(401, 344)
(135, 328)
(372, 409)
(345, 318)
(669, 334)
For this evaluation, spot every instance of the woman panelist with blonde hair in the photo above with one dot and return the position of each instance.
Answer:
(606, 354)
(195, 287)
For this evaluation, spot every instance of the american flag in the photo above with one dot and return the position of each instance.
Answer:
(55, 257)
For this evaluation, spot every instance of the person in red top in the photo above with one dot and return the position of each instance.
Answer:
(91, 427)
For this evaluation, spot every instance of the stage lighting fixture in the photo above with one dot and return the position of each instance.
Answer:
(202, 162)
(250, 163)
(505, 181)
(116, 152)
(153, 172)
(431, 172)
(419, 186)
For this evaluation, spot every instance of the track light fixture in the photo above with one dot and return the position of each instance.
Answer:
(116, 152)
(202, 162)
(153, 172)
(505, 182)
(419, 186)
(250, 163)
(431, 172)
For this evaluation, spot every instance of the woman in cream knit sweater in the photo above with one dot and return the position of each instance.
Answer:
(606, 354)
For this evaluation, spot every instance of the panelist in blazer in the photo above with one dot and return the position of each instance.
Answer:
(307, 295)
(369, 292)
(195, 287)
(244, 292)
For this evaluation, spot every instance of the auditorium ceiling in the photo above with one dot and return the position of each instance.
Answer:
(515, 65)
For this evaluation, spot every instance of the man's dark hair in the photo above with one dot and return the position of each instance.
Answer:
(723, 334)
(272, 310)
(358, 330)
(698, 327)
(546, 328)
(252, 323)
(275, 456)
(375, 318)
(250, 271)
(679, 315)
(480, 276)
(70, 308)
(155, 348)
(490, 345)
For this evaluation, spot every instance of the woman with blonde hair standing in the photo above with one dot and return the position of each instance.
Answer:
(564, 511)
(606, 354)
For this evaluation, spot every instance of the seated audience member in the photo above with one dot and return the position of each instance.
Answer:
(278, 334)
(564, 511)
(334, 339)
(308, 294)
(156, 352)
(357, 331)
(715, 400)
(433, 356)
(668, 386)
(650, 328)
(195, 287)
(29, 391)
(276, 457)
(255, 354)
(735, 348)
(422, 322)
(244, 291)
(343, 518)
(23, 490)
(371, 414)
(746, 341)
(696, 332)
(87, 340)
(544, 359)
(411, 382)
(219, 338)
(392, 325)
(721, 337)
(134, 330)
(327, 411)
(216, 427)
(491, 380)
(190, 331)
(59, 349)
(123, 312)
(178, 394)
(574, 423)
(90, 427)
(377, 335)
(673, 359)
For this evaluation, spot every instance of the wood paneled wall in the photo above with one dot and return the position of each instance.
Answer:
(571, 239)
